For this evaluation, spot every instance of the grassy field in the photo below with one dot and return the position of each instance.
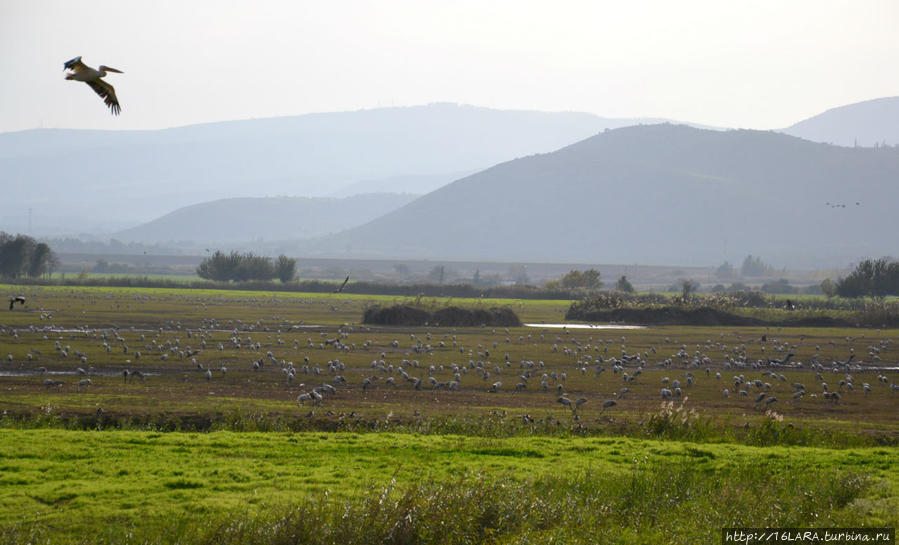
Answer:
(155, 307)
(168, 487)
(213, 431)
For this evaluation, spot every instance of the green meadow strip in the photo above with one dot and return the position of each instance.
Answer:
(59, 486)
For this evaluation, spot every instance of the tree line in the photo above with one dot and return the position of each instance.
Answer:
(243, 267)
(21, 255)
(871, 278)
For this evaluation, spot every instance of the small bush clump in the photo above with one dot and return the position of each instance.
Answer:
(405, 315)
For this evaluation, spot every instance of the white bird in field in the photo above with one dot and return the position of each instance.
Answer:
(92, 77)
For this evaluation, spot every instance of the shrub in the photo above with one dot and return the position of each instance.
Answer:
(406, 315)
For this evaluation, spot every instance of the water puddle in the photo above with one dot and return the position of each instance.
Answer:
(586, 326)
(53, 330)
(37, 373)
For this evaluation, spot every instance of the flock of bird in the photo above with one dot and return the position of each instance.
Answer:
(481, 368)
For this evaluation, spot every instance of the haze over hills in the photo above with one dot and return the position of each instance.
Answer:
(661, 194)
(869, 123)
(401, 184)
(213, 184)
(242, 220)
(75, 180)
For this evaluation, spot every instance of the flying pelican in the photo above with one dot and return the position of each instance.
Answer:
(17, 299)
(82, 72)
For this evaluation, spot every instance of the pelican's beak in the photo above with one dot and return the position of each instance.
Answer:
(108, 69)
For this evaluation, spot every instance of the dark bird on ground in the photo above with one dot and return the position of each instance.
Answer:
(92, 77)
(782, 361)
(16, 299)
(851, 357)
(345, 280)
(607, 404)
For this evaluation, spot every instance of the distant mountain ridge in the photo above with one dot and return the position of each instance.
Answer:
(128, 177)
(102, 181)
(661, 194)
(868, 123)
(242, 220)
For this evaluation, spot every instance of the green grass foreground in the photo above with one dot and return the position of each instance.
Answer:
(63, 486)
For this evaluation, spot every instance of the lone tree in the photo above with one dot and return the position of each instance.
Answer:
(688, 288)
(21, 255)
(829, 287)
(624, 285)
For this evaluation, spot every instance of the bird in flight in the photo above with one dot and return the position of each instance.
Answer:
(340, 289)
(16, 299)
(92, 77)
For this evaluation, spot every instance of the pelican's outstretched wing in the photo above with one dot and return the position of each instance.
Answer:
(107, 93)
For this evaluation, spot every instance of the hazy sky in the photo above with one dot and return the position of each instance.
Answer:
(755, 64)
